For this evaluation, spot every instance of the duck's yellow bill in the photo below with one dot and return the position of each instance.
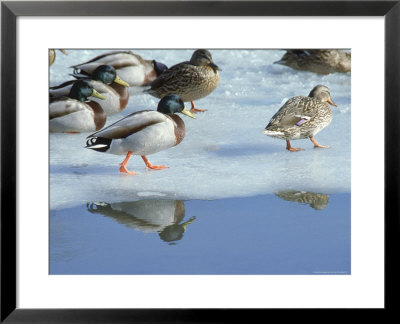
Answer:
(331, 102)
(120, 81)
(98, 95)
(188, 113)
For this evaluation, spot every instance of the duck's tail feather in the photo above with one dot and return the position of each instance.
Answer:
(79, 75)
(272, 133)
(99, 144)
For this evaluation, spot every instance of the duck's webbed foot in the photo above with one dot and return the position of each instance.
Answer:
(195, 110)
(316, 145)
(123, 168)
(292, 149)
(153, 167)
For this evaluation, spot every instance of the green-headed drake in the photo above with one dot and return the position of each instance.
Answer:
(191, 80)
(52, 55)
(302, 117)
(323, 61)
(130, 67)
(143, 132)
(76, 114)
(161, 216)
(104, 80)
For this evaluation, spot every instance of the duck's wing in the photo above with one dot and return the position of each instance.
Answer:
(181, 72)
(117, 59)
(296, 111)
(131, 124)
(64, 106)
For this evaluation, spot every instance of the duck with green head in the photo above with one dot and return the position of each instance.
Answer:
(130, 67)
(104, 80)
(75, 113)
(191, 80)
(302, 117)
(142, 133)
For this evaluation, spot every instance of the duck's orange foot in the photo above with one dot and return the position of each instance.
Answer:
(72, 132)
(153, 167)
(195, 110)
(320, 146)
(123, 169)
(316, 145)
(294, 149)
(156, 167)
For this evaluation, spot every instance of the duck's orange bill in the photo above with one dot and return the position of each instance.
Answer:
(331, 102)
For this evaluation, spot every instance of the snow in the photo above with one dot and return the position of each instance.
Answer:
(224, 153)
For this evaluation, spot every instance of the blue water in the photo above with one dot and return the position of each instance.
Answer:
(255, 235)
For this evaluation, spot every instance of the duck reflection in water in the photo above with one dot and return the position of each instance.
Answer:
(317, 201)
(161, 216)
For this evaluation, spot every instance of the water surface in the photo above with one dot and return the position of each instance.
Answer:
(299, 234)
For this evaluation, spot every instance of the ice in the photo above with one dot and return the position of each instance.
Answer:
(224, 153)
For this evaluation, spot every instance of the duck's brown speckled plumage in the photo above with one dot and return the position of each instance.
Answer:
(315, 200)
(323, 61)
(284, 122)
(302, 117)
(189, 81)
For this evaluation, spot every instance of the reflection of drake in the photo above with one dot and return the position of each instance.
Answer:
(315, 200)
(162, 216)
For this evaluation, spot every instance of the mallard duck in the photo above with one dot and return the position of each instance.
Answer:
(191, 80)
(105, 81)
(130, 67)
(151, 215)
(317, 201)
(74, 114)
(302, 117)
(143, 132)
(323, 61)
(52, 55)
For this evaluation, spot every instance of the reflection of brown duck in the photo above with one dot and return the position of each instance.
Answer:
(315, 200)
(162, 216)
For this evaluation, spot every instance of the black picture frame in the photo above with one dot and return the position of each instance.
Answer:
(10, 10)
